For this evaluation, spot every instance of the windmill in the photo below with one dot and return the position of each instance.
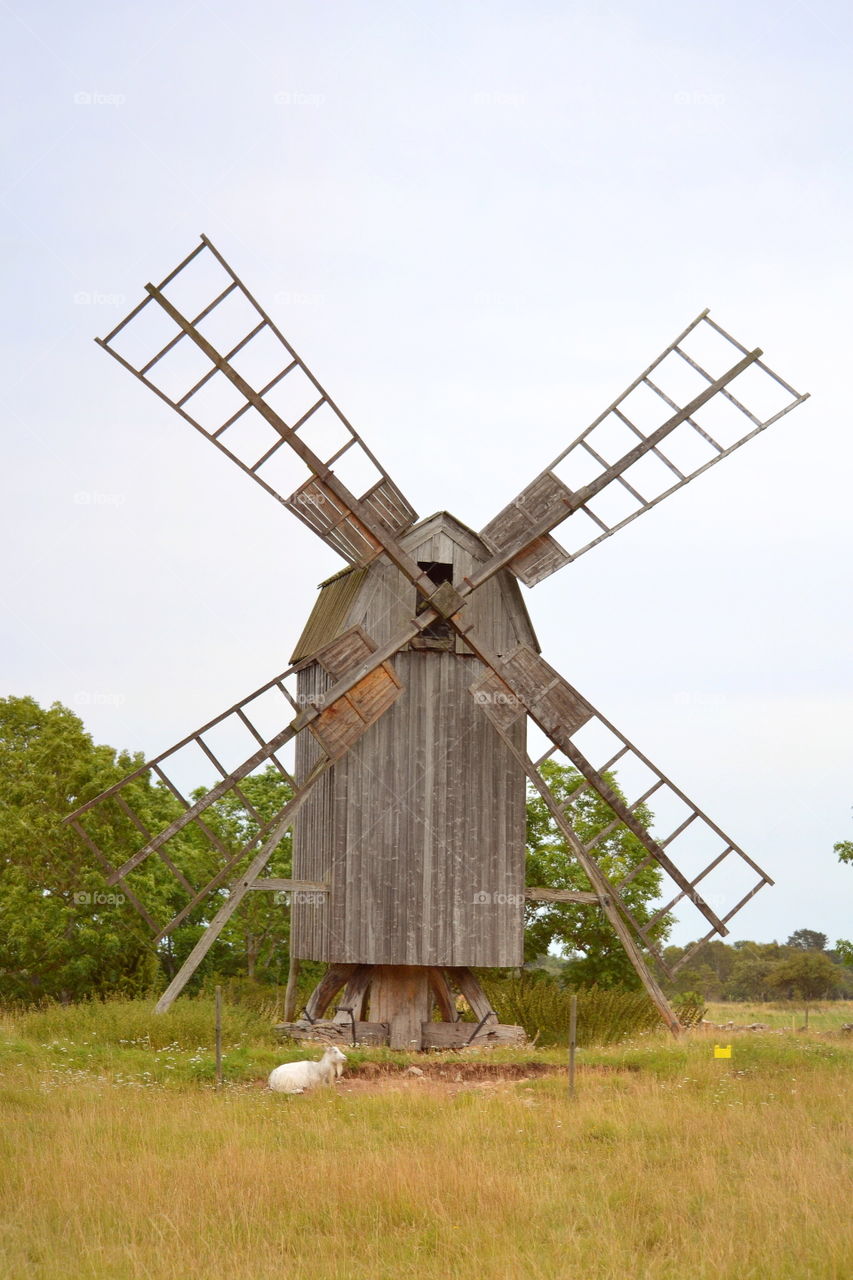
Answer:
(408, 698)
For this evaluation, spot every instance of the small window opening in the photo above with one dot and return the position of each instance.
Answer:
(439, 633)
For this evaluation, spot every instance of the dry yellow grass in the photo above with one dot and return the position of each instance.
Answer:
(823, 1015)
(673, 1165)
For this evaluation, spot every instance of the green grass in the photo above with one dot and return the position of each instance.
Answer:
(119, 1160)
(824, 1015)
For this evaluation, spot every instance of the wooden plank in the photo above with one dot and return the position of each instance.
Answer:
(375, 693)
(456, 1035)
(539, 559)
(339, 726)
(345, 652)
(327, 1032)
(273, 883)
(560, 895)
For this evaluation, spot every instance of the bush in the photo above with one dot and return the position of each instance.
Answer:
(541, 1003)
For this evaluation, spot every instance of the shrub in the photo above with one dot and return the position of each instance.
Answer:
(541, 1003)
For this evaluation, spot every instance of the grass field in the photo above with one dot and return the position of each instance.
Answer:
(827, 1015)
(120, 1160)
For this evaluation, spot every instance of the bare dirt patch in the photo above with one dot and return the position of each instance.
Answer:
(449, 1077)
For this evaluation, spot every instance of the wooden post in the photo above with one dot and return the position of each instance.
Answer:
(218, 1040)
(399, 995)
(290, 992)
(573, 1027)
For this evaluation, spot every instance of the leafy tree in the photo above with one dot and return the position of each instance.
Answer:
(580, 930)
(810, 975)
(807, 940)
(62, 933)
(844, 849)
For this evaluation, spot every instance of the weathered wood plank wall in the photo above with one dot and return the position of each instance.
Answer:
(419, 830)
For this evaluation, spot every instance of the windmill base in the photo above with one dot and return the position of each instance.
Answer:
(393, 1004)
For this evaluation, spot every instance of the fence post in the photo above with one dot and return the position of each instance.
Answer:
(573, 1026)
(218, 1039)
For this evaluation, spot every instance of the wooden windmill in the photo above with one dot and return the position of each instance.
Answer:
(412, 684)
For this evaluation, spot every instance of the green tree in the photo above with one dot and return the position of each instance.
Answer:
(63, 933)
(843, 947)
(811, 975)
(581, 931)
(807, 940)
(844, 849)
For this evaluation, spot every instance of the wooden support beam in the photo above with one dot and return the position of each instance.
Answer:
(355, 995)
(443, 995)
(399, 995)
(464, 980)
(290, 992)
(560, 895)
(278, 885)
(327, 988)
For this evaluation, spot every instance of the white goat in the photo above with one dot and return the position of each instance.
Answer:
(296, 1077)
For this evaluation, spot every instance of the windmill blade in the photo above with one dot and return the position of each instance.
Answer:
(579, 735)
(365, 686)
(703, 397)
(203, 344)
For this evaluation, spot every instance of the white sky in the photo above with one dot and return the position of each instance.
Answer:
(476, 223)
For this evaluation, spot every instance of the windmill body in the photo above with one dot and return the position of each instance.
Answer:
(412, 684)
(419, 830)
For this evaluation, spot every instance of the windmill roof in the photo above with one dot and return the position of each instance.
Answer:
(330, 611)
(338, 593)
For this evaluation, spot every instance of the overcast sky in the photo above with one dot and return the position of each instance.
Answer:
(477, 223)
